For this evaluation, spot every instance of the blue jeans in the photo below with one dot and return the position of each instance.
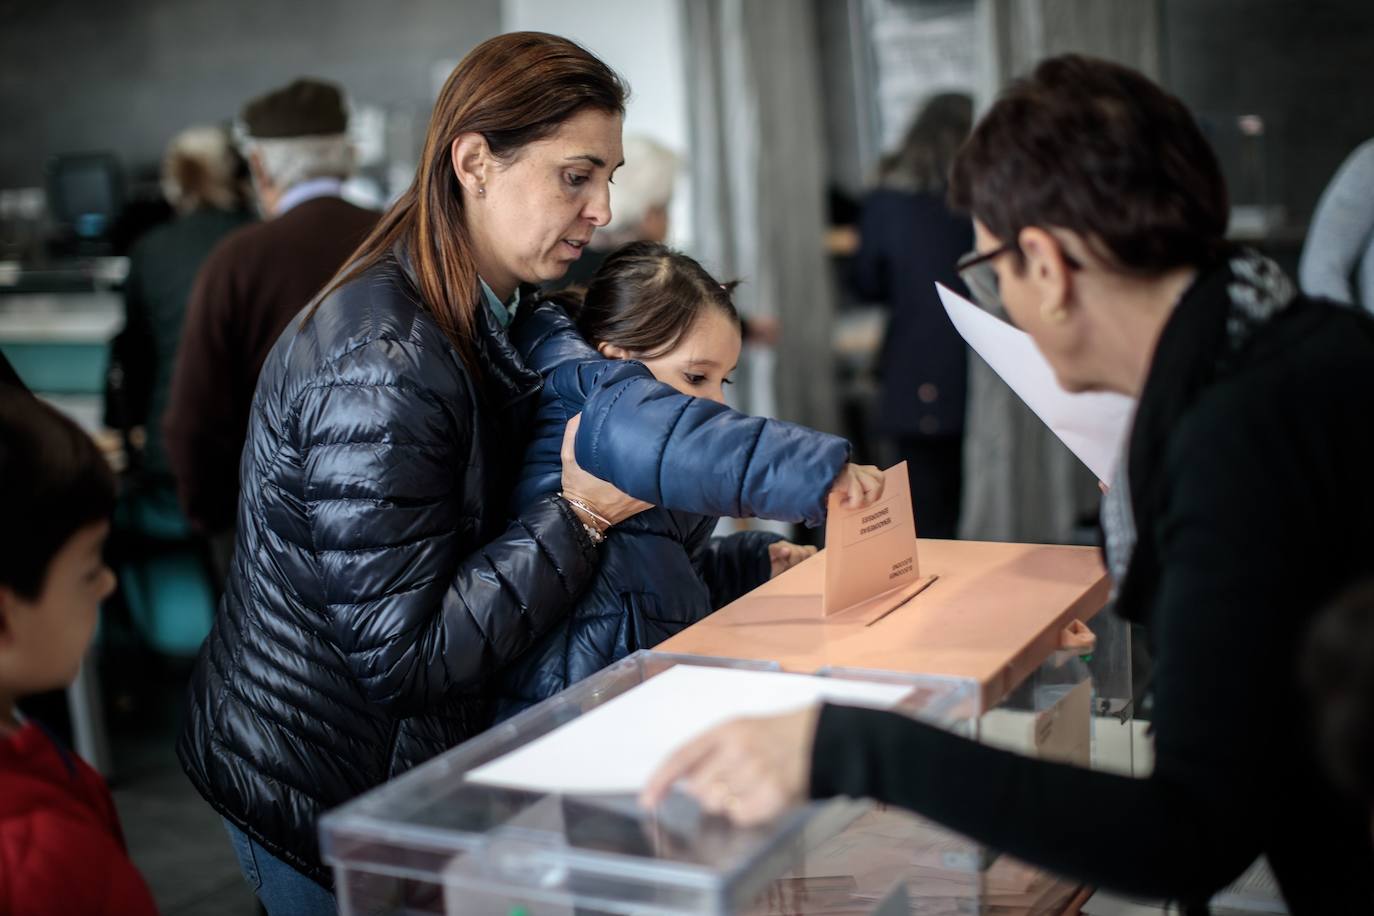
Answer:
(282, 890)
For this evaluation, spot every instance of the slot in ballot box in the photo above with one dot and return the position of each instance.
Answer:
(539, 815)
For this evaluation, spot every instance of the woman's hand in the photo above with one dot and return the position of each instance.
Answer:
(859, 485)
(610, 505)
(750, 770)
(783, 555)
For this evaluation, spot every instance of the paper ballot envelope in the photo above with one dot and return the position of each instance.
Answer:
(1092, 424)
(871, 565)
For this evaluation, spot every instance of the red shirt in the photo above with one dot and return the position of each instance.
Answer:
(61, 849)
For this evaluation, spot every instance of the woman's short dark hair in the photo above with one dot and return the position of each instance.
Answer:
(53, 482)
(644, 297)
(1098, 149)
(1338, 672)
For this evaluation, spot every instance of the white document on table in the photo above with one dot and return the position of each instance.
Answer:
(616, 747)
(1093, 425)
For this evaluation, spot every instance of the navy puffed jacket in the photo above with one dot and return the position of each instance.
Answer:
(694, 460)
(378, 580)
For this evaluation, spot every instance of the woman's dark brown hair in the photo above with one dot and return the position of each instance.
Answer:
(514, 90)
(644, 297)
(1098, 149)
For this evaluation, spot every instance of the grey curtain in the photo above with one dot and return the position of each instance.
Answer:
(1020, 482)
(758, 180)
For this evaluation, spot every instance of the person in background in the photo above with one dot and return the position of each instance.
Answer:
(909, 240)
(643, 357)
(253, 283)
(640, 199)
(380, 581)
(1338, 255)
(640, 196)
(61, 847)
(200, 179)
(1100, 218)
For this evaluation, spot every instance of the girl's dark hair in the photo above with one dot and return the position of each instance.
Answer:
(644, 297)
(53, 482)
(1098, 149)
(923, 161)
(1338, 672)
(514, 89)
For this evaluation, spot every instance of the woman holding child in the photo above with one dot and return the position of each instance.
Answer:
(381, 580)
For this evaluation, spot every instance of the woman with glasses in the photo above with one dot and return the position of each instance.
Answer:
(1243, 504)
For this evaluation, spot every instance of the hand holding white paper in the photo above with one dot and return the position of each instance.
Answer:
(1093, 425)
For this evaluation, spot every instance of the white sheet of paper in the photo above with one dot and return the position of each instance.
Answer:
(1093, 425)
(616, 747)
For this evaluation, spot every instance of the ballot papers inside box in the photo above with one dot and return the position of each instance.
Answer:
(521, 819)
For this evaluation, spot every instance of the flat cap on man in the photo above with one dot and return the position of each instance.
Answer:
(306, 108)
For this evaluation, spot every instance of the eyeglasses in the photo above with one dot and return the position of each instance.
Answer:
(978, 274)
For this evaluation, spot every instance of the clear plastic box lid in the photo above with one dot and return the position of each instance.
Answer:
(464, 840)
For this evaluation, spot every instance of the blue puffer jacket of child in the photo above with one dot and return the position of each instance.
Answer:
(695, 460)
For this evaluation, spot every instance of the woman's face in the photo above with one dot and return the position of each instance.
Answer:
(534, 213)
(701, 363)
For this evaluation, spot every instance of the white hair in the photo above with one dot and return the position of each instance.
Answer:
(644, 182)
(200, 167)
(290, 160)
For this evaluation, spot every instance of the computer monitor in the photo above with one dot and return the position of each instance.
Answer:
(85, 193)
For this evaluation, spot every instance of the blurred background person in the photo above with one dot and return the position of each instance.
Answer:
(640, 199)
(201, 181)
(252, 285)
(1338, 255)
(640, 196)
(908, 240)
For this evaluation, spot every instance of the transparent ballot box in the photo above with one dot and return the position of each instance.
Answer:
(1075, 706)
(515, 822)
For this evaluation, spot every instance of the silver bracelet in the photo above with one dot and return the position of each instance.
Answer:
(585, 508)
(594, 534)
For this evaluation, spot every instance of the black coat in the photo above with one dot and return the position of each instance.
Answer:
(908, 241)
(377, 580)
(1260, 509)
(661, 570)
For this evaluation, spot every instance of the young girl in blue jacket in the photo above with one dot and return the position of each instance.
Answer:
(640, 360)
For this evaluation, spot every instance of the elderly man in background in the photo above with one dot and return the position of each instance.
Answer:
(251, 286)
(640, 195)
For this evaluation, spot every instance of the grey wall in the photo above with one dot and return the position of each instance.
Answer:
(126, 75)
(1305, 67)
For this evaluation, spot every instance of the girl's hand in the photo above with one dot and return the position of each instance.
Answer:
(783, 555)
(750, 770)
(859, 485)
(605, 500)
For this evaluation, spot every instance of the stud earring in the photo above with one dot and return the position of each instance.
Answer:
(481, 192)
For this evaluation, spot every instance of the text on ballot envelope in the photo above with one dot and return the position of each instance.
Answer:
(871, 551)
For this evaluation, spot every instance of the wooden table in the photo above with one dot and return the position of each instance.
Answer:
(994, 614)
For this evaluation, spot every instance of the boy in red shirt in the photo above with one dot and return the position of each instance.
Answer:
(61, 849)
